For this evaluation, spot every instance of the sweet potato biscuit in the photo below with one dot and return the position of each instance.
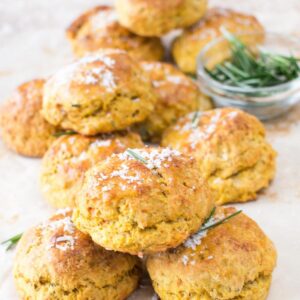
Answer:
(231, 150)
(99, 28)
(23, 128)
(58, 262)
(157, 17)
(100, 93)
(142, 206)
(70, 157)
(177, 95)
(187, 46)
(233, 261)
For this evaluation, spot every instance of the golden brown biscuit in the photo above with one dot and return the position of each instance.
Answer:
(187, 46)
(56, 261)
(142, 207)
(233, 261)
(23, 128)
(177, 95)
(99, 28)
(157, 17)
(100, 93)
(231, 150)
(69, 157)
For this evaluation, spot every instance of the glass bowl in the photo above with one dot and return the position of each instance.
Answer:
(266, 102)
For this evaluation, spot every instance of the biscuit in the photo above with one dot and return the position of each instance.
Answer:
(140, 207)
(69, 157)
(234, 260)
(100, 93)
(56, 261)
(177, 95)
(23, 128)
(156, 17)
(231, 150)
(99, 28)
(189, 44)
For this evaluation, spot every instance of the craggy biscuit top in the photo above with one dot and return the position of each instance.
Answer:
(107, 183)
(156, 18)
(127, 202)
(99, 28)
(177, 95)
(218, 17)
(230, 148)
(219, 263)
(221, 136)
(70, 156)
(68, 264)
(100, 93)
(23, 128)
(95, 20)
(187, 46)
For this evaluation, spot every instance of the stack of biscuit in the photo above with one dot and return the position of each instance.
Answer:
(124, 205)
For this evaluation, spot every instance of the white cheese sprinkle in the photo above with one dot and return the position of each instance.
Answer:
(185, 259)
(63, 211)
(154, 158)
(63, 243)
(82, 73)
(101, 143)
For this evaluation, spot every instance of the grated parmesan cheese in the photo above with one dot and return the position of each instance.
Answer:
(156, 158)
(185, 259)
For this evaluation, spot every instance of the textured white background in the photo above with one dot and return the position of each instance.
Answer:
(32, 44)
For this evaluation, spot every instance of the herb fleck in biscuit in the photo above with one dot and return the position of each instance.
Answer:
(69, 157)
(99, 28)
(232, 261)
(142, 201)
(157, 17)
(23, 128)
(187, 46)
(177, 95)
(57, 261)
(231, 150)
(100, 93)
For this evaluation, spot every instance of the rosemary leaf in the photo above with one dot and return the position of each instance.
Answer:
(204, 228)
(12, 242)
(61, 133)
(247, 69)
(196, 119)
(136, 156)
(210, 216)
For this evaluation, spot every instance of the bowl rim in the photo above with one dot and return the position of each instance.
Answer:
(203, 75)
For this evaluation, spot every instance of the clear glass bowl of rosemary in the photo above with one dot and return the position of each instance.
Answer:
(262, 78)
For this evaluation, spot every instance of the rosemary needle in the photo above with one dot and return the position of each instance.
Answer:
(76, 105)
(61, 133)
(136, 156)
(210, 216)
(11, 242)
(204, 228)
(248, 69)
(195, 119)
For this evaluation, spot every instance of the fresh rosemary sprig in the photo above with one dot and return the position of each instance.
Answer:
(196, 119)
(136, 156)
(204, 228)
(61, 133)
(76, 105)
(247, 69)
(12, 242)
(210, 216)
